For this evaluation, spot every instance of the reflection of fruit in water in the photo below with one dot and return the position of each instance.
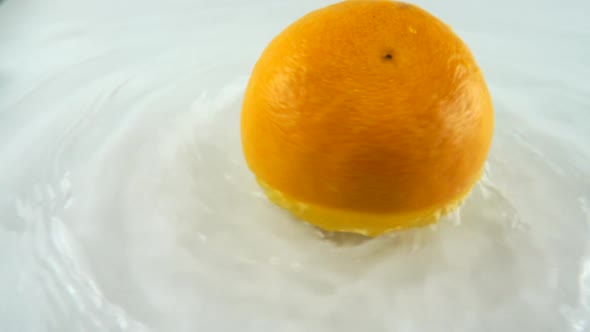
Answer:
(367, 116)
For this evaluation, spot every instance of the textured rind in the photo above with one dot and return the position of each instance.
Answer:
(395, 120)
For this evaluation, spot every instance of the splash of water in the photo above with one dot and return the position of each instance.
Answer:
(126, 205)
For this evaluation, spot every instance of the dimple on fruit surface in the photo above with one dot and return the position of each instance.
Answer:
(373, 109)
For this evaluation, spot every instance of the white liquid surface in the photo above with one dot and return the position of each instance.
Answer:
(126, 205)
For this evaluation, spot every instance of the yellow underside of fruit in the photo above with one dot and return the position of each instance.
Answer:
(368, 224)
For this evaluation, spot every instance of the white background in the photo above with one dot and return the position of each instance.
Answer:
(125, 203)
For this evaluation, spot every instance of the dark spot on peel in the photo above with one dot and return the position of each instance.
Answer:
(388, 57)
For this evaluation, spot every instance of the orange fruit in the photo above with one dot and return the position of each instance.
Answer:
(367, 117)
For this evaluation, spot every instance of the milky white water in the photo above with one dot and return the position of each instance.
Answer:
(126, 205)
